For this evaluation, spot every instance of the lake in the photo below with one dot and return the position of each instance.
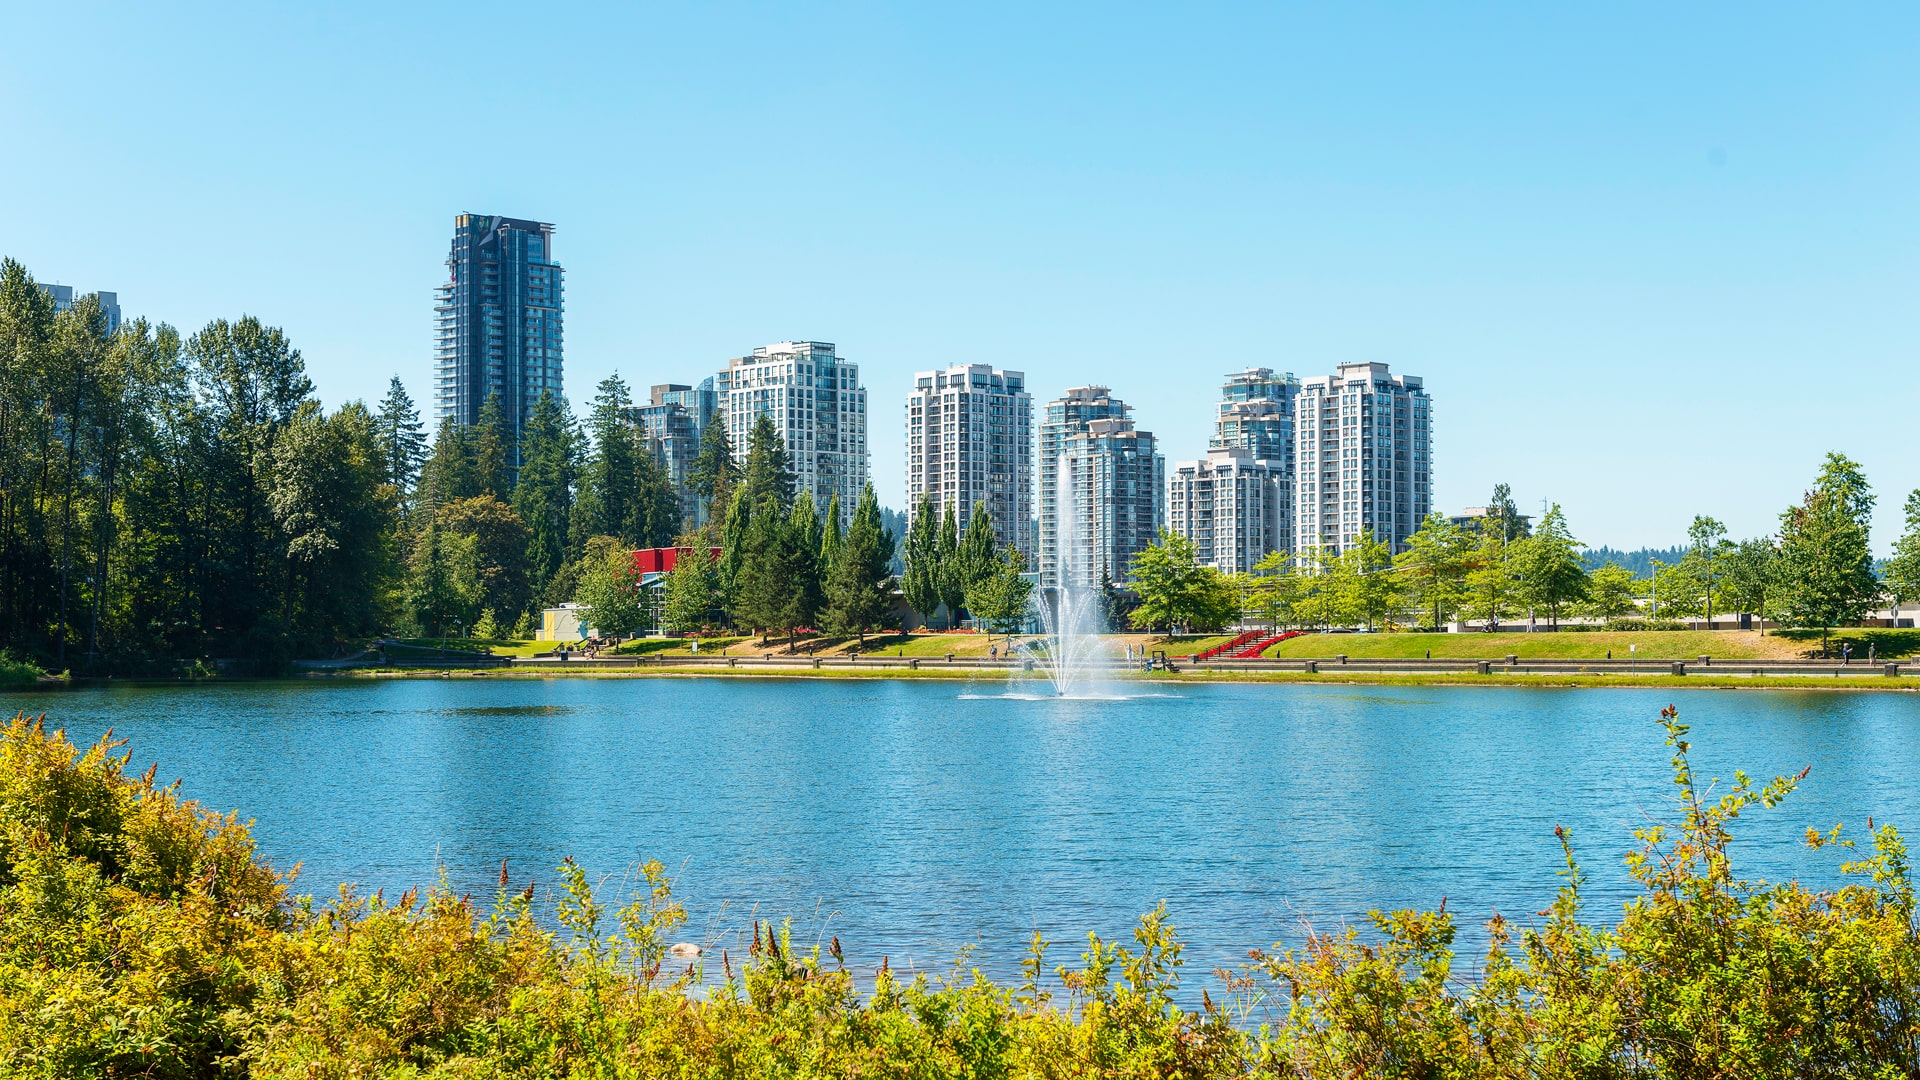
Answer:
(912, 818)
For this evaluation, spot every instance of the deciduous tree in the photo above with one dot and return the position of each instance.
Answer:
(1610, 592)
(609, 593)
(1435, 565)
(1825, 562)
(1902, 573)
(1003, 597)
(1551, 573)
(1176, 592)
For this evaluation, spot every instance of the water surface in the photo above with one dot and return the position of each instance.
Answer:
(913, 818)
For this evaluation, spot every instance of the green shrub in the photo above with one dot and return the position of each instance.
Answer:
(1639, 625)
(139, 936)
(16, 673)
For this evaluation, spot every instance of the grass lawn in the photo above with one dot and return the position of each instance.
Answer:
(1893, 644)
(1654, 645)
(496, 646)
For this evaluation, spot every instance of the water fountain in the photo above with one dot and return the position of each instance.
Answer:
(1070, 649)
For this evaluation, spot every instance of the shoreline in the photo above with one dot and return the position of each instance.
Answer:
(1866, 683)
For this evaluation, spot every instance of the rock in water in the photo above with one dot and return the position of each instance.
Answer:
(684, 950)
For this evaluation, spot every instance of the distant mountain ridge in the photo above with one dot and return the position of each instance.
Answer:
(1640, 561)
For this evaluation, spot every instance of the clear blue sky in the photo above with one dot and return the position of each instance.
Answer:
(1652, 260)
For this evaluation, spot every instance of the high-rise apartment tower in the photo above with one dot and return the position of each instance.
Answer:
(970, 439)
(815, 401)
(1236, 504)
(64, 296)
(1101, 486)
(497, 319)
(1364, 458)
(674, 420)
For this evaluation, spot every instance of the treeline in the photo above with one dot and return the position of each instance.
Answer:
(1640, 561)
(1817, 571)
(779, 563)
(166, 497)
(162, 496)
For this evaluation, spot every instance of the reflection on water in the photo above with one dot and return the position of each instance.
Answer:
(911, 822)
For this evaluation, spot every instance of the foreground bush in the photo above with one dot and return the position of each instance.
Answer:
(18, 674)
(140, 936)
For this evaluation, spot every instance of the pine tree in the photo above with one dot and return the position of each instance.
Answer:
(543, 497)
(769, 472)
(856, 586)
(830, 538)
(800, 565)
(604, 505)
(714, 473)
(759, 594)
(449, 474)
(403, 438)
(493, 447)
(654, 512)
(921, 581)
(952, 574)
(736, 537)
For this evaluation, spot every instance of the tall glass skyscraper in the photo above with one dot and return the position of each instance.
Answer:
(497, 319)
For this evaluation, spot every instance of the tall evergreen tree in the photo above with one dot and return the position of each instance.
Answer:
(830, 538)
(402, 438)
(921, 581)
(769, 472)
(856, 586)
(952, 573)
(736, 539)
(714, 473)
(328, 492)
(605, 505)
(654, 511)
(1504, 518)
(800, 562)
(543, 497)
(253, 379)
(494, 448)
(449, 473)
(761, 595)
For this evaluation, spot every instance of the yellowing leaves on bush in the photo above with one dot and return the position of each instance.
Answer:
(140, 936)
